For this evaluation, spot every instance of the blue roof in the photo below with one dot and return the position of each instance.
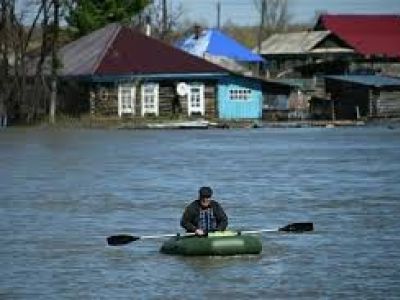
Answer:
(369, 80)
(216, 43)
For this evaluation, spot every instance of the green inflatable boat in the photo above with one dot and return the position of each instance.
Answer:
(216, 243)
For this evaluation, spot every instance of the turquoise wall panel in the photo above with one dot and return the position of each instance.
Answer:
(232, 93)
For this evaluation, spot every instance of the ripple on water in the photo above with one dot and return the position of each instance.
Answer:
(64, 191)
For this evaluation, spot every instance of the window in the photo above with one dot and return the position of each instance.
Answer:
(126, 99)
(239, 94)
(150, 99)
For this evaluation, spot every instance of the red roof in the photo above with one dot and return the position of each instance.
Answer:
(369, 35)
(131, 52)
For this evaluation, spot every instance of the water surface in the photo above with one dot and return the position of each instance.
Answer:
(64, 191)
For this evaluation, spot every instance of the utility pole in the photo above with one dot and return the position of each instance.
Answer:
(164, 19)
(260, 31)
(261, 26)
(218, 14)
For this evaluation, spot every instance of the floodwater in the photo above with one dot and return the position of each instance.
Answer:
(62, 192)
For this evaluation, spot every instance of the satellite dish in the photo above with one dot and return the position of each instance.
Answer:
(182, 88)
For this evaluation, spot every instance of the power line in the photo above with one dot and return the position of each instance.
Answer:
(238, 11)
(246, 11)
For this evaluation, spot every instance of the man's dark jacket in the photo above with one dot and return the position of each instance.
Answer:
(191, 215)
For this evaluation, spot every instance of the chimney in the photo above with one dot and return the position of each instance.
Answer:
(197, 31)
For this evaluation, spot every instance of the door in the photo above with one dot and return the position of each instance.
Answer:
(150, 99)
(126, 99)
(196, 100)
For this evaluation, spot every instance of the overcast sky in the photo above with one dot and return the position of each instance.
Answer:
(244, 11)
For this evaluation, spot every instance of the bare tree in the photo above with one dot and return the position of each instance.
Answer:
(7, 57)
(275, 15)
(4, 40)
(163, 20)
(24, 92)
(54, 60)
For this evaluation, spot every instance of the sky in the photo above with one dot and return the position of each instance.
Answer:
(243, 12)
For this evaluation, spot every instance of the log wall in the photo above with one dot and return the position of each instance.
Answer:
(104, 100)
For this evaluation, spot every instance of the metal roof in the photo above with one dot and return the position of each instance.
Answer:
(292, 43)
(82, 56)
(216, 43)
(120, 50)
(378, 81)
(377, 35)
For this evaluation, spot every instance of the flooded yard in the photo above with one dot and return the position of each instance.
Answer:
(62, 192)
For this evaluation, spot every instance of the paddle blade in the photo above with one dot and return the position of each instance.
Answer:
(122, 239)
(298, 227)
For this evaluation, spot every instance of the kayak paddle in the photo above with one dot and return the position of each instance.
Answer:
(123, 239)
(293, 227)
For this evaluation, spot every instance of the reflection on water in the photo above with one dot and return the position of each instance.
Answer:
(209, 263)
(64, 191)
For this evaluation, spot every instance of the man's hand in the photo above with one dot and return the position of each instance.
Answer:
(199, 232)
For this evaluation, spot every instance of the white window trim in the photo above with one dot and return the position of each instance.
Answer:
(202, 99)
(156, 99)
(133, 98)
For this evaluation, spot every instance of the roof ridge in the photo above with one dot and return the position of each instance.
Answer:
(360, 15)
(105, 49)
(139, 53)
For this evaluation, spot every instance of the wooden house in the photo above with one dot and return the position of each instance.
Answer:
(374, 38)
(304, 54)
(129, 74)
(371, 36)
(338, 44)
(361, 96)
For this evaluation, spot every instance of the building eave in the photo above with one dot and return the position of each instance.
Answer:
(145, 77)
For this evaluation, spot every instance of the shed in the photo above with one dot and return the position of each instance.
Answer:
(285, 99)
(356, 96)
(240, 97)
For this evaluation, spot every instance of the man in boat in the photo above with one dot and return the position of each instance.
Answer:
(204, 215)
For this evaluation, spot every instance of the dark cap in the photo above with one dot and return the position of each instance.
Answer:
(205, 192)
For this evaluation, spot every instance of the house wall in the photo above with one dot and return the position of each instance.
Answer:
(307, 65)
(284, 102)
(275, 107)
(390, 68)
(388, 104)
(171, 103)
(247, 107)
(168, 100)
(371, 102)
(104, 99)
(299, 106)
(321, 109)
(347, 97)
(210, 97)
